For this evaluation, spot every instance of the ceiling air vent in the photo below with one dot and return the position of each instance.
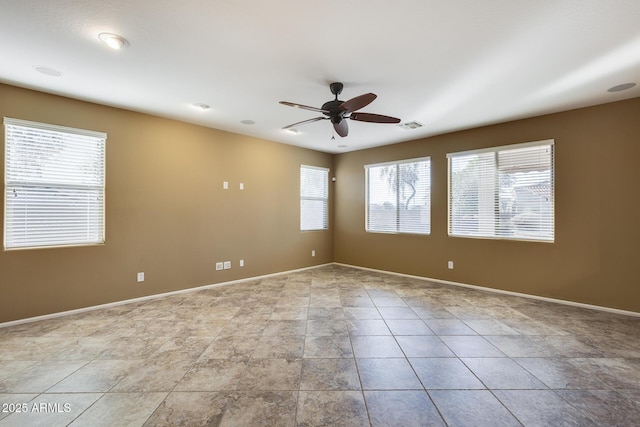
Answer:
(410, 125)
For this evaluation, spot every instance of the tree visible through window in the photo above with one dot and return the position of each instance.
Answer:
(399, 197)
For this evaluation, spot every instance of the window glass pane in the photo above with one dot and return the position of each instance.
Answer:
(54, 185)
(314, 193)
(502, 193)
(398, 197)
(472, 204)
(414, 197)
(382, 198)
(41, 216)
(312, 215)
(526, 204)
(53, 157)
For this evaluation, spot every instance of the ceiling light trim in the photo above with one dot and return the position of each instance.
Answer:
(114, 41)
(621, 87)
(47, 71)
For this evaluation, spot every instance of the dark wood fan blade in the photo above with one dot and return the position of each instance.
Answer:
(315, 119)
(358, 102)
(341, 128)
(304, 107)
(373, 118)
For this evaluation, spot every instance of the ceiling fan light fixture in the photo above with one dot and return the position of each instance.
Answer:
(114, 41)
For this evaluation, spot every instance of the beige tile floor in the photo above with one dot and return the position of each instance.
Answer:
(331, 346)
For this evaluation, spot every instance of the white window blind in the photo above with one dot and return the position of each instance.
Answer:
(314, 195)
(503, 192)
(54, 185)
(399, 197)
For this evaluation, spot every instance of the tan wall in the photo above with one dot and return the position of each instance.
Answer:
(168, 216)
(594, 259)
(166, 211)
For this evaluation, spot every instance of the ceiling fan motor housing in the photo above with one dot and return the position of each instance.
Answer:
(333, 108)
(336, 88)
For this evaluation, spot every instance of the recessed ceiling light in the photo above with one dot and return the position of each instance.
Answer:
(200, 107)
(247, 122)
(114, 41)
(620, 88)
(47, 71)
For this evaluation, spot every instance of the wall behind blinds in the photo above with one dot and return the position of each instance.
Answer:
(314, 194)
(54, 192)
(503, 192)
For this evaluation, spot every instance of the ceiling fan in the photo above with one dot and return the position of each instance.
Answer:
(338, 111)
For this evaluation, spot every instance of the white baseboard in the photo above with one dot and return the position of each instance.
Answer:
(500, 291)
(151, 297)
(248, 279)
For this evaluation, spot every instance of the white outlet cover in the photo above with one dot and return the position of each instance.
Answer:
(225, 185)
(450, 265)
(313, 253)
(242, 186)
(227, 265)
(219, 266)
(241, 263)
(140, 277)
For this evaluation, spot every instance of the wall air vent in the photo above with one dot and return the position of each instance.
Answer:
(410, 125)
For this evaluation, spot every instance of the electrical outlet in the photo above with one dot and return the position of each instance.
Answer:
(219, 266)
(313, 253)
(225, 185)
(242, 185)
(140, 277)
(227, 265)
(241, 263)
(450, 265)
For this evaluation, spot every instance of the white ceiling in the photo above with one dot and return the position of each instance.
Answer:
(449, 65)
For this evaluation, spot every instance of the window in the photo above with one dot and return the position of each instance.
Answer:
(54, 185)
(314, 196)
(399, 197)
(504, 192)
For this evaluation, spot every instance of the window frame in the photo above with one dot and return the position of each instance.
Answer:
(99, 187)
(496, 150)
(324, 199)
(396, 163)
